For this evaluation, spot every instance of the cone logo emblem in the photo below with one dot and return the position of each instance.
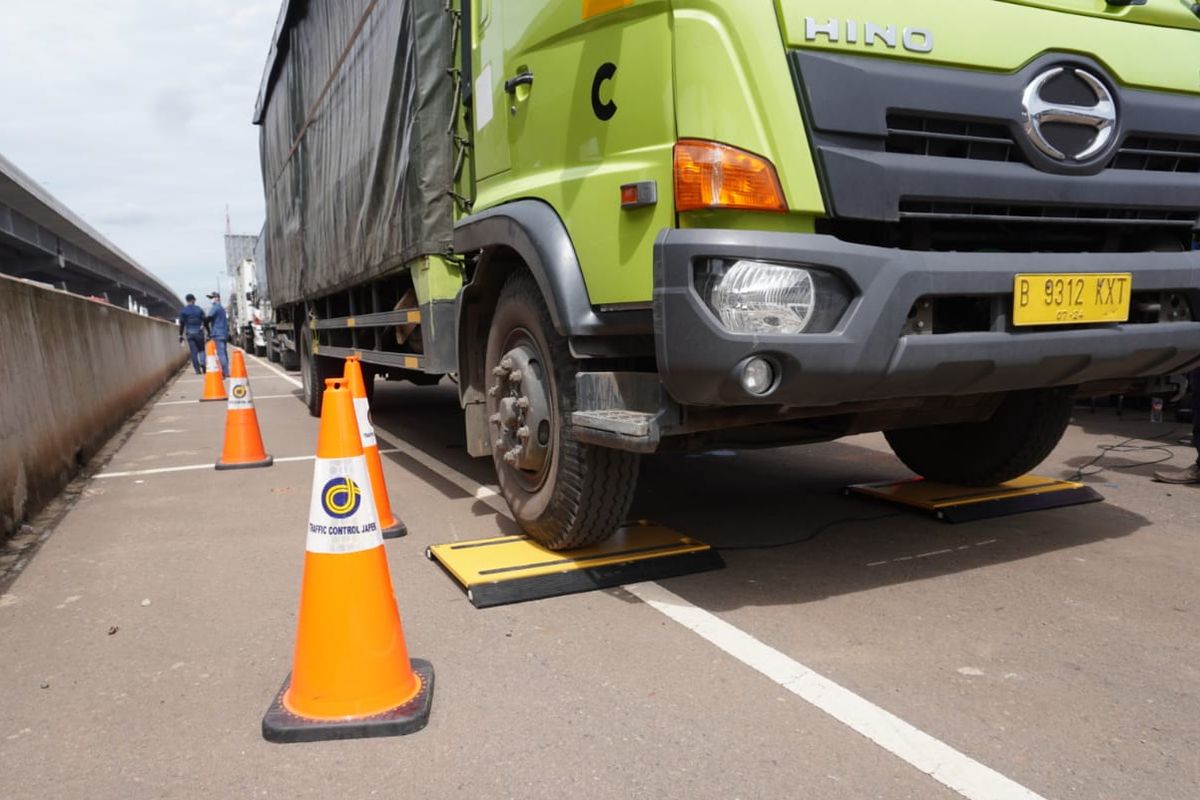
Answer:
(342, 516)
(239, 391)
(341, 497)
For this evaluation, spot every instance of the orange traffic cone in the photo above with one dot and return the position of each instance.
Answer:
(243, 441)
(392, 527)
(214, 384)
(351, 675)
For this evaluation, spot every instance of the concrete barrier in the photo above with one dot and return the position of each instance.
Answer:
(71, 371)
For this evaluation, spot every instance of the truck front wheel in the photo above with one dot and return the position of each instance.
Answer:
(1025, 428)
(564, 493)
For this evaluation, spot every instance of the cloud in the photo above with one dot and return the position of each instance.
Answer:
(135, 114)
(127, 216)
(173, 111)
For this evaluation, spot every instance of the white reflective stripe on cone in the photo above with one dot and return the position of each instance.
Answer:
(342, 516)
(239, 394)
(362, 413)
(211, 364)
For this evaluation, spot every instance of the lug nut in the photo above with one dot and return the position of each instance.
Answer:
(523, 433)
(515, 376)
(523, 403)
(499, 372)
(506, 363)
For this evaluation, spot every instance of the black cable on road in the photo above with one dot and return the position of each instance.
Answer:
(1127, 446)
(809, 536)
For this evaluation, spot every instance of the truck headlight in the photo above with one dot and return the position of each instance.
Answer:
(774, 299)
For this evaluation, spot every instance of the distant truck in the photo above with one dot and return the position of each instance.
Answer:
(245, 317)
(629, 226)
(279, 340)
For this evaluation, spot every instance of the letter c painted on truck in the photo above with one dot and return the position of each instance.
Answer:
(603, 111)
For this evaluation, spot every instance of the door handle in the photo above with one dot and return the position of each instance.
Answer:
(521, 79)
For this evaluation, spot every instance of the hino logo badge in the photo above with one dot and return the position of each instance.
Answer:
(1100, 117)
(870, 34)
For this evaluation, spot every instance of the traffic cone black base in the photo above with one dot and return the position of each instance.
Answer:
(282, 726)
(396, 531)
(266, 462)
(212, 399)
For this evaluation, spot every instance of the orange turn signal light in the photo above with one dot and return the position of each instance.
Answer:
(712, 175)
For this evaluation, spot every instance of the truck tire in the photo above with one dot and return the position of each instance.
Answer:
(272, 350)
(1025, 428)
(564, 493)
(314, 370)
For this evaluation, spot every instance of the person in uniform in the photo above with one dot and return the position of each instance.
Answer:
(218, 330)
(191, 327)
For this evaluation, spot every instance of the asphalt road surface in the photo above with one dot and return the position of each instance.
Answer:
(1051, 654)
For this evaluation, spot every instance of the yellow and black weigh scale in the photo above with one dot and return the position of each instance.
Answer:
(511, 569)
(951, 503)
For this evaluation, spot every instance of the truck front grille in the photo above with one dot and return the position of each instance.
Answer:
(927, 157)
(947, 137)
(1158, 154)
(944, 137)
(1096, 215)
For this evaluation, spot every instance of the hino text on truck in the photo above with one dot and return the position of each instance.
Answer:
(629, 226)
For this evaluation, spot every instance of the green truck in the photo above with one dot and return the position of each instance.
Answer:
(633, 226)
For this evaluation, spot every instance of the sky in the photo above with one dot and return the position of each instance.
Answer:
(136, 114)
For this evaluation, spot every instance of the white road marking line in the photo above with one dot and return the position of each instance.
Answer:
(935, 553)
(931, 553)
(199, 381)
(936, 759)
(257, 397)
(279, 372)
(488, 494)
(189, 467)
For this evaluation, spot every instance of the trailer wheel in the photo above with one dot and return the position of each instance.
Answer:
(564, 493)
(288, 358)
(314, 370)
(1025, 428)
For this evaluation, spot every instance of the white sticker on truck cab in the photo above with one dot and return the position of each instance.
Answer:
(483, 98)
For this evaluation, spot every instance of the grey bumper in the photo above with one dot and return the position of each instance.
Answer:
(867, 357)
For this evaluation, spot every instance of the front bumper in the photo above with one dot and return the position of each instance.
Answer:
(868, 357)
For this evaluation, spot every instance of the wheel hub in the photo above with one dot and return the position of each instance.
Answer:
(521, 424)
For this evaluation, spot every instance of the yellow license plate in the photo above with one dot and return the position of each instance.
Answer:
(1071, 299)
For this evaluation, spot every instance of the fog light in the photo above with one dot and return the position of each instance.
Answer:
(758, 376)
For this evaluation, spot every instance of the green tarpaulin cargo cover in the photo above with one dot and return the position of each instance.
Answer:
(355, 107)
